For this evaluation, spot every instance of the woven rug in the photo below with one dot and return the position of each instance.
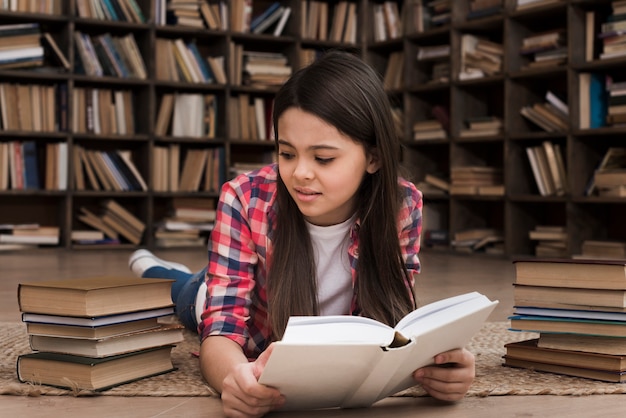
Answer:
(492, 378)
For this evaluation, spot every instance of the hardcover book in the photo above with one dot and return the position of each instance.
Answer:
(94, 296)
(351, 361)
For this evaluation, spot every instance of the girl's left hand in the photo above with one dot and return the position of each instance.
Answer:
(451, 376)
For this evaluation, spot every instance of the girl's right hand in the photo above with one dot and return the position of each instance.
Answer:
(244, 396)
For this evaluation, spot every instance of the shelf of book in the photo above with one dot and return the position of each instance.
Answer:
(473, 84)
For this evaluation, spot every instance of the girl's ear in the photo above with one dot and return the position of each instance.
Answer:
(373, 164)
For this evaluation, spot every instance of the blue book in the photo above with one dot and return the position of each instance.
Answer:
(202, 64)
(112, 50)
(110, 10)
(264, 15)
(597, 101)
(31, 166)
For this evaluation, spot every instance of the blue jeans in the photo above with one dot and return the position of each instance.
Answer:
(184, 292)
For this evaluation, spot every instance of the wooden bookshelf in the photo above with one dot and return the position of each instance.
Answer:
(520, 83)
(427, 89)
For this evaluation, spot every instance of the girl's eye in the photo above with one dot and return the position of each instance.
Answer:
(285, 155)
(324, 160)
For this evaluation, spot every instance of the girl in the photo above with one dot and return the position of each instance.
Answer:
(329, 229)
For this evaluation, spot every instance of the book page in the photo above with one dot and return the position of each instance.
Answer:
(337, 329)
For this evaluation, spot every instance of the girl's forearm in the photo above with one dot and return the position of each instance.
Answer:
(218, 357)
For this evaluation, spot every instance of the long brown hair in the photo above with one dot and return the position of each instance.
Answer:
(345, 92)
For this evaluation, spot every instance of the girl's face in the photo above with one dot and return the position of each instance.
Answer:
(321, 167)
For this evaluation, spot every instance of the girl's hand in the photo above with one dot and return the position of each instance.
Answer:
(451, 377)
(243, 396)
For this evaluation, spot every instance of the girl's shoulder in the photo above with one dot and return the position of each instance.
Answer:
(409, 191)
(260, 177)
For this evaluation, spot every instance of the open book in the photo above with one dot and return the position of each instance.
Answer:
(351, 361)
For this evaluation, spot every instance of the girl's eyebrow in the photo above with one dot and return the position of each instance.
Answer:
(312, 147)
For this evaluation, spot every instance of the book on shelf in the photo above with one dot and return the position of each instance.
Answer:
(352, 357)
(437, 181)
(530, 4)
(58, 53)
(164, 334)
(94, 296)
(613, 158)
(76, 372)
(530, 350)
(611, 249)
(271, 16)
(548, 235)
(89, 218)
(394, 71)
(122, 221)
(592, 100)
(584, 343)
(189, 208)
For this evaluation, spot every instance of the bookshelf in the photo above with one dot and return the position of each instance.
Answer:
(521, 82)
(444, 34)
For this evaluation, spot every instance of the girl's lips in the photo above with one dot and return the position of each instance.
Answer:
(305, 195)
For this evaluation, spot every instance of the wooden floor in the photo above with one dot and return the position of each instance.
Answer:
(442, 276)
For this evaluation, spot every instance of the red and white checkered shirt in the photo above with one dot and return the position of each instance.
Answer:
(240, 246)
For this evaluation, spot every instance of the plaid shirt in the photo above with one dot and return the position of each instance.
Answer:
(239, 248)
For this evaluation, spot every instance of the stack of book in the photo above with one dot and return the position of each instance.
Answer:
(437, 57)
(545, 48)
(476, 180)
(438, 12)
(578, 307)
(20, 46)
(428, 129)
(489, 240)
(188, 223)
(612, 32)
(616, 102)
(551, 240)
(184, 13)
(482, 126)
(480, 57)
(27, 236)
(602, 249)
(96, 333)
(265, 69)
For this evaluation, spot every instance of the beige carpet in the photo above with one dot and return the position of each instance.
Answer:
(488, 346)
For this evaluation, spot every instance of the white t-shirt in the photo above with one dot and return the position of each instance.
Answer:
(334, 276)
